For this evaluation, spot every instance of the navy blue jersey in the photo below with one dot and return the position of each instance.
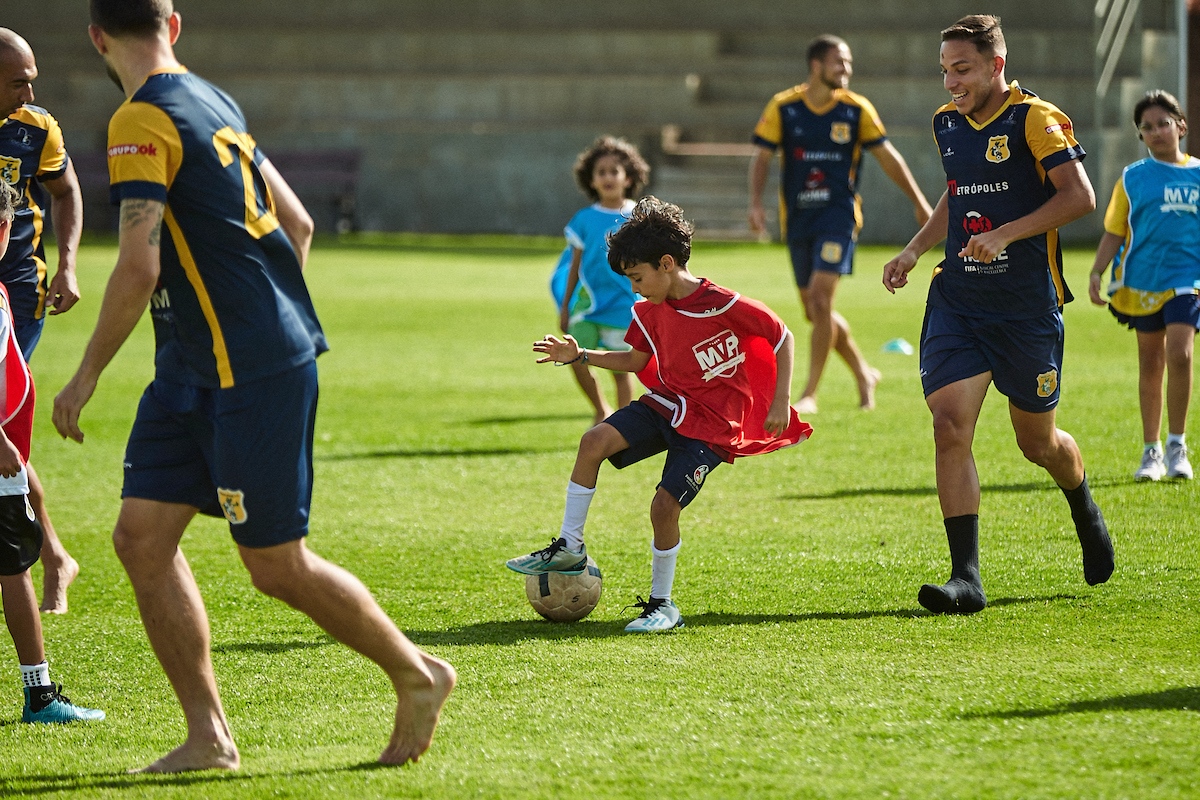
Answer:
(31, 151)
(995, 173)
(821, 149)
(231, 304)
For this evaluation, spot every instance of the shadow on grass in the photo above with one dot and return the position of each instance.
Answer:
(1186, 698)
(30, 785)
(581, 418)
(506, 632)
(272, 647)
(466, 452)
(921, 491)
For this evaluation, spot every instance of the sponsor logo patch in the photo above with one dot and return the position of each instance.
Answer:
(975, 223)
(132, 150)
(719, 355)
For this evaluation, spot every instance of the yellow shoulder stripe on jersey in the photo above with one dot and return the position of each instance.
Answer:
(143, 145)
(220, 352)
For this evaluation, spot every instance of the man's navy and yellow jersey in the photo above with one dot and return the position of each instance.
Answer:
(821, 152)
(231, 305)
(995, 173)
(31, 151)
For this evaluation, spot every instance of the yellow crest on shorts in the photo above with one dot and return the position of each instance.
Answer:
(1047, 383)
(997, 149)
(233, 505)
(10, 170)
(831, 252)
(840, 132)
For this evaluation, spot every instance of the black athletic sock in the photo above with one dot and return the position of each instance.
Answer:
(963, 593)
(1083, 507)
(1098, 563)
(962, 533)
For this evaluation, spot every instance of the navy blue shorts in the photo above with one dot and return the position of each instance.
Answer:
(1184, 308)
(29, 333)
(244, 453)
(649, 433)
(825, 253)
(1023, 355)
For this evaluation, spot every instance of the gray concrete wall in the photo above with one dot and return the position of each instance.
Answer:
(469, 113)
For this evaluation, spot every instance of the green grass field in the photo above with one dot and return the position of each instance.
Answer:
(807, 668)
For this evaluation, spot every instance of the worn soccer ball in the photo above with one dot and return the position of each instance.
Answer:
(564, 598)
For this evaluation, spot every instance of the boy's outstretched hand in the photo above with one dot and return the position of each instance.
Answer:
(555, 349)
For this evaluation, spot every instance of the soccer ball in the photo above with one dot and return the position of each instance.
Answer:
(564, 598)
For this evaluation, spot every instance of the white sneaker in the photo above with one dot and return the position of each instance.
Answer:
(555, 558)
(1152, 467)
(657, 615)
(1178, 465)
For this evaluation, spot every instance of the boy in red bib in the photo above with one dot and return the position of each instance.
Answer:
(719, 369)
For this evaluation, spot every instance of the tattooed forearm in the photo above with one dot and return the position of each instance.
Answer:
(138, 213)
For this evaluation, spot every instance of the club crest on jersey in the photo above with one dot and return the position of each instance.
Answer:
(1047, 383)
(839, 132)
(997, 149)
(719, 355)
(10, 170)
(233, 505)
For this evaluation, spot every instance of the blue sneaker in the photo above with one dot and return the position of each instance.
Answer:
(555, 558)
(53, 707)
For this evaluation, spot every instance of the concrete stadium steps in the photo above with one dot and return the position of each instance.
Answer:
(912, 51)
(883, 15)
(469, 113)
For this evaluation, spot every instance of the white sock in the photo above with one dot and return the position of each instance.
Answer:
(1154, 446)
(1174, 438)
(37, 675)
(662, 571)
(575, 515)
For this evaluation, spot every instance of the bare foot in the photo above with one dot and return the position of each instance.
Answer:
(417, 711)
(806, 405)
(189, 758)
(866, 389)
(54, 586)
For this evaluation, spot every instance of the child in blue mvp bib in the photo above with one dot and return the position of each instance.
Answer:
(595, 304)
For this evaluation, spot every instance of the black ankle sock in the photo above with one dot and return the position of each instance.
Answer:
(962, 533)
(1083, 507)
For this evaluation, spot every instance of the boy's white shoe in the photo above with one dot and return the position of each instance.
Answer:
(555, 558)
(657, 615)
(1178, 465)
(1152, 467)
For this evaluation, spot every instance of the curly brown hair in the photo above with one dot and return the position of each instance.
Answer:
(656, 228)
(636, 168)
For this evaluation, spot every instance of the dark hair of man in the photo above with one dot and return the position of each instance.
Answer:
(655, 229)
(981, 30)
(1164, 100)
(819, 47)
(8, 202)
(139, 18)
(636, 168)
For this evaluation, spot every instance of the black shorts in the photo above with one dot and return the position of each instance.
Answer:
(649, 433)
(20, 535)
